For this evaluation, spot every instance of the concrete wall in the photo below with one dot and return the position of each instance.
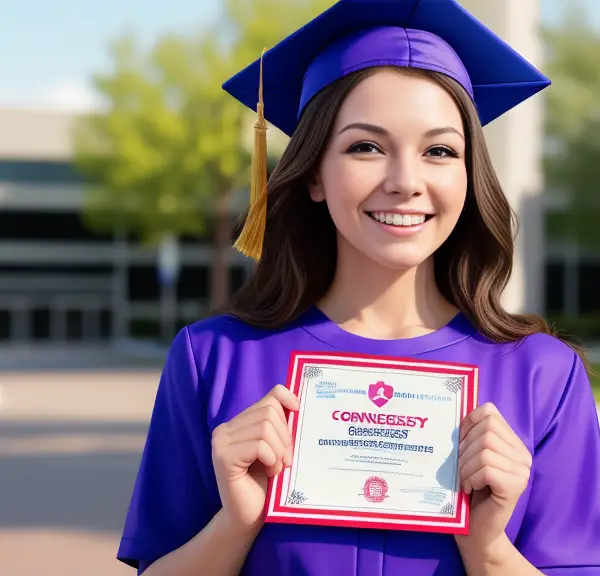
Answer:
(36, 134)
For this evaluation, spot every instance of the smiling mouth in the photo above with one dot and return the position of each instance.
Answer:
(400, 220)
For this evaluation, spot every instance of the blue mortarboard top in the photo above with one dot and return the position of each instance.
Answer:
(355, 34)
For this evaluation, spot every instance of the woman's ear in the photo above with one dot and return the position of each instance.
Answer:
(315, 189)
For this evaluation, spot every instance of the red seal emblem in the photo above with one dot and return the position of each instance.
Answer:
(375, 489)
(380, 394)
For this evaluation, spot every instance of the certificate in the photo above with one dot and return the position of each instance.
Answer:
(375, 443)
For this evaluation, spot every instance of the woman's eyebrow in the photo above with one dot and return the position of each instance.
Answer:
(443, 130)
(367, 127)
(380, 130)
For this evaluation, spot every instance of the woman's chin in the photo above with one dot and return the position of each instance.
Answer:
(362, 256)
(399, 262)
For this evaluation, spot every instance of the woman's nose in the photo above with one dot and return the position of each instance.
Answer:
(404, 176)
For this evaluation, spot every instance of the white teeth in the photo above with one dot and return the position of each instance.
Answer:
(396, 219)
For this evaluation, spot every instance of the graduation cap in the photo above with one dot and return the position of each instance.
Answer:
(435, 35)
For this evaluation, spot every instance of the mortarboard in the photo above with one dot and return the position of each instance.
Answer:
(436, 35)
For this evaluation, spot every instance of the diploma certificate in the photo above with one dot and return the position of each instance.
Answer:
(375, 443)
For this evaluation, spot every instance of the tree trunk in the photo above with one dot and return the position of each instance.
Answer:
(219, 289)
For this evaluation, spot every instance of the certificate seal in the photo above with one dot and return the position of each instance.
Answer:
(375, 489)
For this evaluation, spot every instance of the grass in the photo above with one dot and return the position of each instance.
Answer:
(596, 382)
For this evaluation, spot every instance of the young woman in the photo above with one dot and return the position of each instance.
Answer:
(386, 233)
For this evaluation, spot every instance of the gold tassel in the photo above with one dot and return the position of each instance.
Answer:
(250, 241)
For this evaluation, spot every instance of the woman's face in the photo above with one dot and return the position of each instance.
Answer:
(394, 175)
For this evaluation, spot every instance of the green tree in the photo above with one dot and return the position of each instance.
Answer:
(170, 148)
(572, 160)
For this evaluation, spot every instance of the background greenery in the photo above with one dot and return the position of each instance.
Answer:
(171, 149)
(596, 383)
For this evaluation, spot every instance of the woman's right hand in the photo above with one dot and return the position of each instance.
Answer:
(249, 449)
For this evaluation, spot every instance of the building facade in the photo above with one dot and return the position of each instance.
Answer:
(60, 281)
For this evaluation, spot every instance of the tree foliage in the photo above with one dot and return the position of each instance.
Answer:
(166, 142)
(572, 159)
(171, 149)
(169, 140)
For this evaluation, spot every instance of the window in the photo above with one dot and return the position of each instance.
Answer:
(40, 323)
(554, 288)
(589, 288)
(143, 284)
(38, 172)
(16, 225)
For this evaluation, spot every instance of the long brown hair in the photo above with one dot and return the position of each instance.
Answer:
(472, 267)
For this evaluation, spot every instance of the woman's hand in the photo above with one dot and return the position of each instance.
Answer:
(248, 449)
(494, 466)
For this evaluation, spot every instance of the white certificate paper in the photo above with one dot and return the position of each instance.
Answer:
(375, 443)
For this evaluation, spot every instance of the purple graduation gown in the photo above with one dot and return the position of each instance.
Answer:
(220, 366)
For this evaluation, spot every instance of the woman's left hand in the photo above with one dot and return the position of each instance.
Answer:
(494, 466)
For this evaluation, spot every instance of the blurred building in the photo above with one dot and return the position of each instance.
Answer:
(59, 281)
(515, 142)
(572, 278)
(552, 278)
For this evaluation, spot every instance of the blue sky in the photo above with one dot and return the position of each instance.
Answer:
(49, 48)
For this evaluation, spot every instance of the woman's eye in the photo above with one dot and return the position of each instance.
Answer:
(363, 148)
(442, 152)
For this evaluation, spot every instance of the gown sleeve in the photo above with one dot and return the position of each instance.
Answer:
(170, 502)
(560, 534)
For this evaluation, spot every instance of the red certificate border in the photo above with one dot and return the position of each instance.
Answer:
(278, 513)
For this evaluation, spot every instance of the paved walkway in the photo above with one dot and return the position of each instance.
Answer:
(70, 444)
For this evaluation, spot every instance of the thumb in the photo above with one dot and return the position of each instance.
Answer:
(285, 397)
